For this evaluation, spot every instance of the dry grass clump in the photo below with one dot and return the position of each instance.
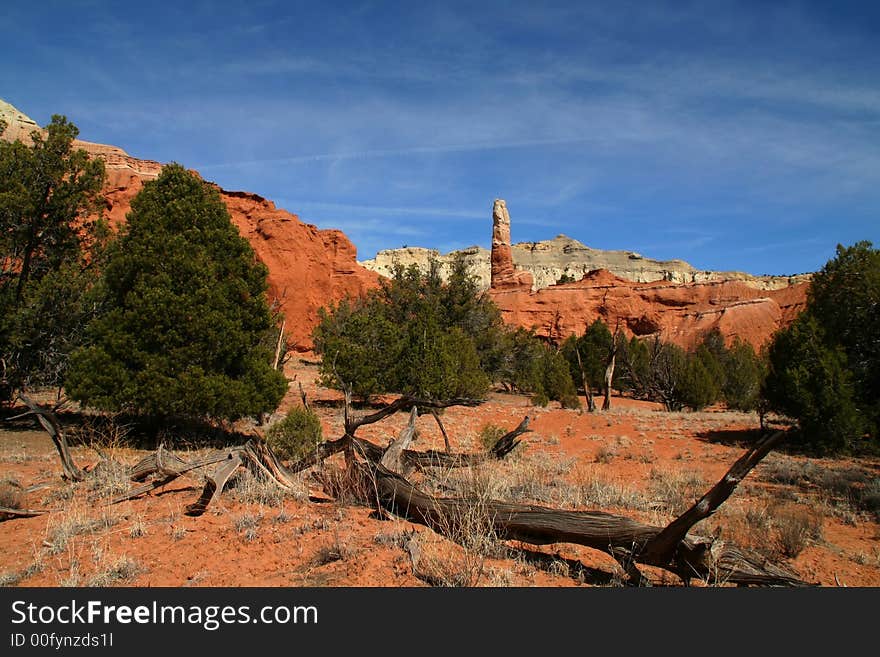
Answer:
(138, 527)
(769, 527)
(471, 527)
(537, 478)
(606, 454)
(103, 433)
(248, 523)
(248, 488)
(108, 479)
(847, 491)
(335, 550)
(598, 492)
(123, 569)
(489, 435)
(675, 492)
(11, 495)
(14, 577)
(795, 529)
(75, 522)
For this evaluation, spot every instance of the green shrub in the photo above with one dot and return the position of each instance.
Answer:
(541, 399)
(296, 435)
(491, 434)
(745, 371)
(824, 369)
(570, 401)
(809, 380)
(698, 381)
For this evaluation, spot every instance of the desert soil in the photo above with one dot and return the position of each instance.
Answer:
(816, 516)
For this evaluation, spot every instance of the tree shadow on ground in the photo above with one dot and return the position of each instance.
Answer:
(743, 438)
(138, 432)
(576, 570)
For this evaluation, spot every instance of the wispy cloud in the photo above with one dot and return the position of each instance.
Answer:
(386, 210)
(396, 152)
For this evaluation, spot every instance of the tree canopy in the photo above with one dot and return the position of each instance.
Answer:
(413, 335)
(824, 370)
(419, 335)
(49, 234)
(186, 328)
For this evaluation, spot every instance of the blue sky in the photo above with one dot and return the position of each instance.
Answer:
(733, 135)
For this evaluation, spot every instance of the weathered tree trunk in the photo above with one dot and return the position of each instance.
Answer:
(588, 394)
(393, 456)
(442, 429)
(278, 347)
(609, 377)
(49, 422)
(609, 368)
(627, 540)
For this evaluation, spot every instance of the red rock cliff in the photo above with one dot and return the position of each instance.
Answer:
(308, 267)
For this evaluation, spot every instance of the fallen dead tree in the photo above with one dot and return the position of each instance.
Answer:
(626, 540)
(380, 474)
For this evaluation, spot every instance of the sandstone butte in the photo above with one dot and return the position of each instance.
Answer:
(310, 267)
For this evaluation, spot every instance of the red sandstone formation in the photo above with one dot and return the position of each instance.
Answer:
(680, 313)
(308, 267)
(504, 275)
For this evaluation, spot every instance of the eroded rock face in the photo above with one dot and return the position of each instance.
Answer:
(679, 313)
(308, 267)
(504, 274)
(18, 124)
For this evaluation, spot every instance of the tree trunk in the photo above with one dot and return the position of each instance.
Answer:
(609, 377)
(588, 394)
(50, 423)
(442, 430)
(626, 540)
(278, 348)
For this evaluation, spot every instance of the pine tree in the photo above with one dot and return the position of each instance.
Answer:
(186, 328)
(48, 191)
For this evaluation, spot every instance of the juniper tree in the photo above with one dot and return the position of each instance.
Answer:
(49, 197)
(186, 329)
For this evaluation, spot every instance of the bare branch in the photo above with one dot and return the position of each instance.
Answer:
(50, 423)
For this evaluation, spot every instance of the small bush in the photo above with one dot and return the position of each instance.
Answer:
(491, 434)
(249, 525)
(336, 550)
(540, 399)
(296, 435)
(870, 498)
(123, 569)
(795, 529)
(606, 454)
(10, 496)
(570, 401)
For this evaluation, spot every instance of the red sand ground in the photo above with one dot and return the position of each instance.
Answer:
(297, 542)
